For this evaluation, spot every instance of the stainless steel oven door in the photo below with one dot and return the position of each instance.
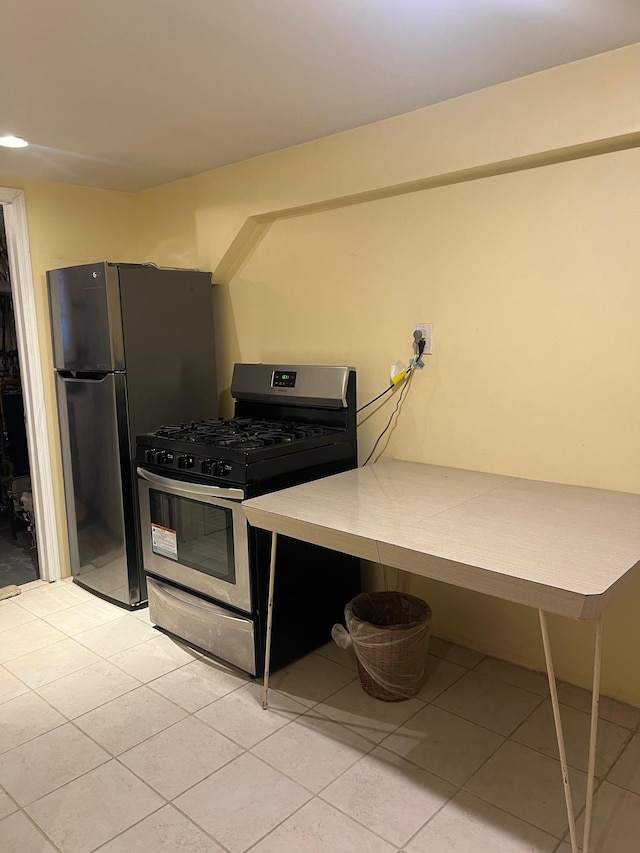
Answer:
(196, 536)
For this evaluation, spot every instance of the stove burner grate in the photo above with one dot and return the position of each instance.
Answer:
(242, 433)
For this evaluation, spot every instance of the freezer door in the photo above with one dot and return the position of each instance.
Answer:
(167, 323)
(97, 478)
(85, 318)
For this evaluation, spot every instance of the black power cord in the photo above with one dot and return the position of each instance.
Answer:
(420, 345)
(375, 399)
(393, 413)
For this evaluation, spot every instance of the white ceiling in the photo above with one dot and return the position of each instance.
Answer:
(128, 94)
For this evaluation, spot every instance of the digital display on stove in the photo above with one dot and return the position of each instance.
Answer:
(284, 379)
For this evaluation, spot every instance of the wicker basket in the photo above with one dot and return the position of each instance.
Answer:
(390, 635)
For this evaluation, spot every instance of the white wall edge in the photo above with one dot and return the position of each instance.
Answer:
(15, 215)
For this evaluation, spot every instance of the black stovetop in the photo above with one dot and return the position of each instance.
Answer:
(232, 450)
(242, 434)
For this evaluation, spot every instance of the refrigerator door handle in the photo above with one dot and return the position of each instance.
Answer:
(190, 488)
(78, 376)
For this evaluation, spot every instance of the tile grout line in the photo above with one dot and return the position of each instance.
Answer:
(70, 719)
(441, 778)
(30, 689)
(65, 720)
(513, 815)
(295, 781)
(111, 754)
(545, 697)
(456, 646)
(46, 594)
(314, 796)
(115, 837)
(175, 669)
(553, 757)
(605, 777)
(46, 649)
(296, 716)
(474, 722)
(186, 790)
(480, 725)
(463, 790)
(40, 830)
(200, 827)
(560, 681)
(359, 823)
(599, 782)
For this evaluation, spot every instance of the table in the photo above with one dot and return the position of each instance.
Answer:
(561, 549)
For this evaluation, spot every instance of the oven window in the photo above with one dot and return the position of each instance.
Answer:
(193, 533)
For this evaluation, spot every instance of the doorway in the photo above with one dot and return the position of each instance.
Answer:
(18, 542)
(16, 232)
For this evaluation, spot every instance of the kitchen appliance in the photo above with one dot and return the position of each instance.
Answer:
(133, 347)
(207, 568)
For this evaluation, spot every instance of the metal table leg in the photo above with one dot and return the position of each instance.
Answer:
(595, 704)
(560, 736)
(267, 652)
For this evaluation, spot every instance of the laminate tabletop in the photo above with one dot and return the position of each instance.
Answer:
(563, 549)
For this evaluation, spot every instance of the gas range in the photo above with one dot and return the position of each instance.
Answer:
(207, 569)
(270, 433)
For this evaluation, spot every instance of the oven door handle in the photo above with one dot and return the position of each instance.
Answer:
(191, 488)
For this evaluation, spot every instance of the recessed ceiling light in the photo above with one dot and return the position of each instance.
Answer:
(13, 142)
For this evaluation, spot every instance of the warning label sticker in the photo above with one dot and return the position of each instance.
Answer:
(164, 542)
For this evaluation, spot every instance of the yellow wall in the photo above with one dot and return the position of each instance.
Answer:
(69, 225)
(528, 276)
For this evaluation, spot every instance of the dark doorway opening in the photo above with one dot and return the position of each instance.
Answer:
(18, 546)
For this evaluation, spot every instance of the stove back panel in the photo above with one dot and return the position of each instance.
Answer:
(280, 408)
(320, 386)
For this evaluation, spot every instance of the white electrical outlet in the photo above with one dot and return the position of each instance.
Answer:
(427, 336)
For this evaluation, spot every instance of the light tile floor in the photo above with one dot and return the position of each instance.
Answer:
(115, 738)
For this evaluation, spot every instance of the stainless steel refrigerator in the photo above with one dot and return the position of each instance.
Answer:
(133, 350)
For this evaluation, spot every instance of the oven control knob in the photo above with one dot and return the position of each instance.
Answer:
(222, 470)
(185, 461)
(207, 466)
(163, 457)
(150, 456)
